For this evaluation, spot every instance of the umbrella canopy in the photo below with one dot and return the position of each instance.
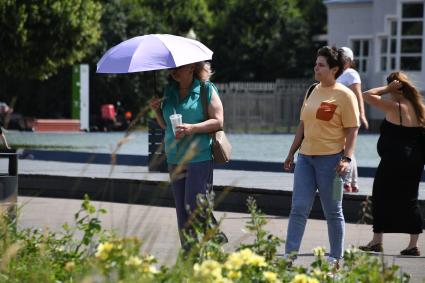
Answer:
(152, 52)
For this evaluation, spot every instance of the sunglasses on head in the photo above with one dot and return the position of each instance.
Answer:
(391, 79)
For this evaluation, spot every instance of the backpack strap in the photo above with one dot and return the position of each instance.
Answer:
(203, 94)
(310, 90)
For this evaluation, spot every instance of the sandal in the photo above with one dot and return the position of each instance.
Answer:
(412, 251)
(377, 248)
(347, 188)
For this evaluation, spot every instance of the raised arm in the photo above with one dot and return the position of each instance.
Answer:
(358, 92)
(155, 105)
(374, 96)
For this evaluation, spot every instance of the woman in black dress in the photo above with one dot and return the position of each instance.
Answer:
(401, 146)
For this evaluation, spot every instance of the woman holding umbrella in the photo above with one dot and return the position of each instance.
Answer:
(188, 151)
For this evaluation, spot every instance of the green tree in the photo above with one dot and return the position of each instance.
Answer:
(258, 40)
(118, 20)
(40, 37)
(315, 15)
(181, 16)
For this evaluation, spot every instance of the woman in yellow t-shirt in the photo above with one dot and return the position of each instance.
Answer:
(326, 136)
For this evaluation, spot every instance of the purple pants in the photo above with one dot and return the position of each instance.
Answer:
(195, 179)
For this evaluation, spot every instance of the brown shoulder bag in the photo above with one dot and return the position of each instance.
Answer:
(221, 147)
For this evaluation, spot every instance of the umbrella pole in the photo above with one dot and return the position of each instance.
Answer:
(154, 83)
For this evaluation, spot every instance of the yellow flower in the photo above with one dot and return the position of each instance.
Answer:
(245, 254)
(133, 261)
(70, 266)
(153, 269)
(234, 274)
(317, 272)
(105, 247)
(103, 250)
(270, 277)
(257, 260)
(300, 278)
(234, 262)
(208, 268)
(319, 251)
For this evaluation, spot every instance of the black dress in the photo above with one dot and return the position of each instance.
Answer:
(395, 206)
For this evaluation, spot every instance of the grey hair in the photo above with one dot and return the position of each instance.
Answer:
(203, 71)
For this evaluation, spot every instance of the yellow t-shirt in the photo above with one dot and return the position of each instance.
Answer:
(325, 114)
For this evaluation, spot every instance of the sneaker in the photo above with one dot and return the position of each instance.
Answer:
(333, 263)
(347, 188)
(222, 238)
(290, 258)
(354, 189)
(412, 251)
(372, 248)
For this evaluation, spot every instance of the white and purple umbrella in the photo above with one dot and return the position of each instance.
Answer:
(152, 52)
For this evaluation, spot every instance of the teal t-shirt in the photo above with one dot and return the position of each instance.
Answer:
(192, 148)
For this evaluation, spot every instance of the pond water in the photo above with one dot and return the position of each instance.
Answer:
(257, 147)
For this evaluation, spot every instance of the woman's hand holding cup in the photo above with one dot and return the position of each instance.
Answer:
(183, 130)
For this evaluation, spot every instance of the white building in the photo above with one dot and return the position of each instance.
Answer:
(385, 35)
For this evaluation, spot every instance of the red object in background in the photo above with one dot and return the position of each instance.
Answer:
(108, 111)
(56, 125)
(128, 115)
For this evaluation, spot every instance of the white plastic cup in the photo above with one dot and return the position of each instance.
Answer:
(176, 120)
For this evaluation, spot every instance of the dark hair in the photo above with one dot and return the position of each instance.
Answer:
(333, 58)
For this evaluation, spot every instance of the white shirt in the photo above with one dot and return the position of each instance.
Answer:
(349, 77)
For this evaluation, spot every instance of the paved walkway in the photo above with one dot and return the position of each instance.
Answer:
(157, 227)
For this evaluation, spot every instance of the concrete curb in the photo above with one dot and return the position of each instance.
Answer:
(157, 193)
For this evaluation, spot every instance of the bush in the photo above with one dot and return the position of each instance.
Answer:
(86, 252)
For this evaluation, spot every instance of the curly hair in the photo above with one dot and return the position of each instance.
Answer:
(334, 58)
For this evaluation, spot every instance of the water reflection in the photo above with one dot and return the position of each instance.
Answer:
(258, 147)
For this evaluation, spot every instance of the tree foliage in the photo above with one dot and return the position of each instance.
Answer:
(39, 38)
(42, 39)
(124, 19)
(260, 43)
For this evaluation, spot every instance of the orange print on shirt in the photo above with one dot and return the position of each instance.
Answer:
(326, 111)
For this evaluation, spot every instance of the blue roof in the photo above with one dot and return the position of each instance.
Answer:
(346, 1)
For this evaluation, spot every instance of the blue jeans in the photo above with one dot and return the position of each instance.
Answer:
(311, 173)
